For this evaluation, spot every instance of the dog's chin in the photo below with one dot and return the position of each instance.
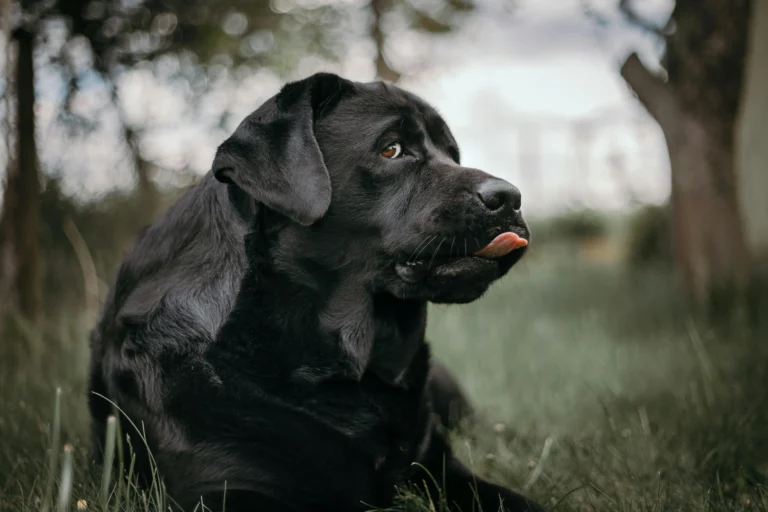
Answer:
(456, 281)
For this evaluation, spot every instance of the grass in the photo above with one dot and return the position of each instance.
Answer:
(598, 389)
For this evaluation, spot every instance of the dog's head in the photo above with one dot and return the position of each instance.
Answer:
(366, 178)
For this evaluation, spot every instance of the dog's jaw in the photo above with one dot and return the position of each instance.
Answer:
(448, 279)
(455, 281)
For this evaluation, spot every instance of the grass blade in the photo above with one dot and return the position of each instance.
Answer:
(53, 462)
(65, 482)
(109, 458)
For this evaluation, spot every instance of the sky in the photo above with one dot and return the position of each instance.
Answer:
(532, 94)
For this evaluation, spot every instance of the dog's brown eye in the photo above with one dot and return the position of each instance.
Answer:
(392, 151)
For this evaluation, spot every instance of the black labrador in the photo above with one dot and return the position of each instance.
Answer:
(266, 334)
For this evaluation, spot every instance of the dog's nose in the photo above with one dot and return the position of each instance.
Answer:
(496, 193)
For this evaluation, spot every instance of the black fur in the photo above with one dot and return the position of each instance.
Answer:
(267, 332)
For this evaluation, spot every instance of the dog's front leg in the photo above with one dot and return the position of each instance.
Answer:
(461, 489)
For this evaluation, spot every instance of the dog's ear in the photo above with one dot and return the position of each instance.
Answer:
(274, 156)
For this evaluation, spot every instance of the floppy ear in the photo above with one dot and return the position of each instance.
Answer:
(274, 156)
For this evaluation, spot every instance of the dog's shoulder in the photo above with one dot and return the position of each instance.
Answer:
(181, 277)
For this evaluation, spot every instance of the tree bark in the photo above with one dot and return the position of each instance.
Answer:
(21, 205)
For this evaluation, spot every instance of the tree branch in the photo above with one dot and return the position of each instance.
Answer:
(592, 14)
(625, 6)
(655, 95)
(383, 70)
(131, 137)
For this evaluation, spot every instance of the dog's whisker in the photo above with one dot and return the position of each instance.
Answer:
(339, 267)
(450, 251)
(435, 253)
(427, 245)
(466, 253)
(413, 254)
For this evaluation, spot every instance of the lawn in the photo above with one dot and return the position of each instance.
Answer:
(598, 391)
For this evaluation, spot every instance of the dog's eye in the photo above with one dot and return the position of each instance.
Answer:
(393, 150)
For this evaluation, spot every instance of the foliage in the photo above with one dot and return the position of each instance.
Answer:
(122, 34)
(649, 240)
(107, 225)
(572, 226)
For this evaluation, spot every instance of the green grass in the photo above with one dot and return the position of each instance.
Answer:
(598, 391)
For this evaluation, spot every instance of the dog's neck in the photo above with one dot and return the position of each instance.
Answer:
(377, 332)
(370, 331)
(373, 331)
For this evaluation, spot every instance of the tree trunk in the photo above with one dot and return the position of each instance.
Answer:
(696, 109)
(19, 224)
(6, 263)
(147, 190)
(711, 252)
(752, 140)
(752, 156)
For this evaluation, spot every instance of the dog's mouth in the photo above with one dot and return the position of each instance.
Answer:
(444, 266)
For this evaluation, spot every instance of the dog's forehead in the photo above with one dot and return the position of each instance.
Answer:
(382, 95)
(380, 101)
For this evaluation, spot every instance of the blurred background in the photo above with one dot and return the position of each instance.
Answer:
(622, 365)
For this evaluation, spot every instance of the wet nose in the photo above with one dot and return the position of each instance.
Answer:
(495, 194)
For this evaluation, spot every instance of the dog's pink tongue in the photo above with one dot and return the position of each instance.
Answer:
(502, 245)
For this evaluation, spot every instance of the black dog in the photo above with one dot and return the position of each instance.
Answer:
(267, 333)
